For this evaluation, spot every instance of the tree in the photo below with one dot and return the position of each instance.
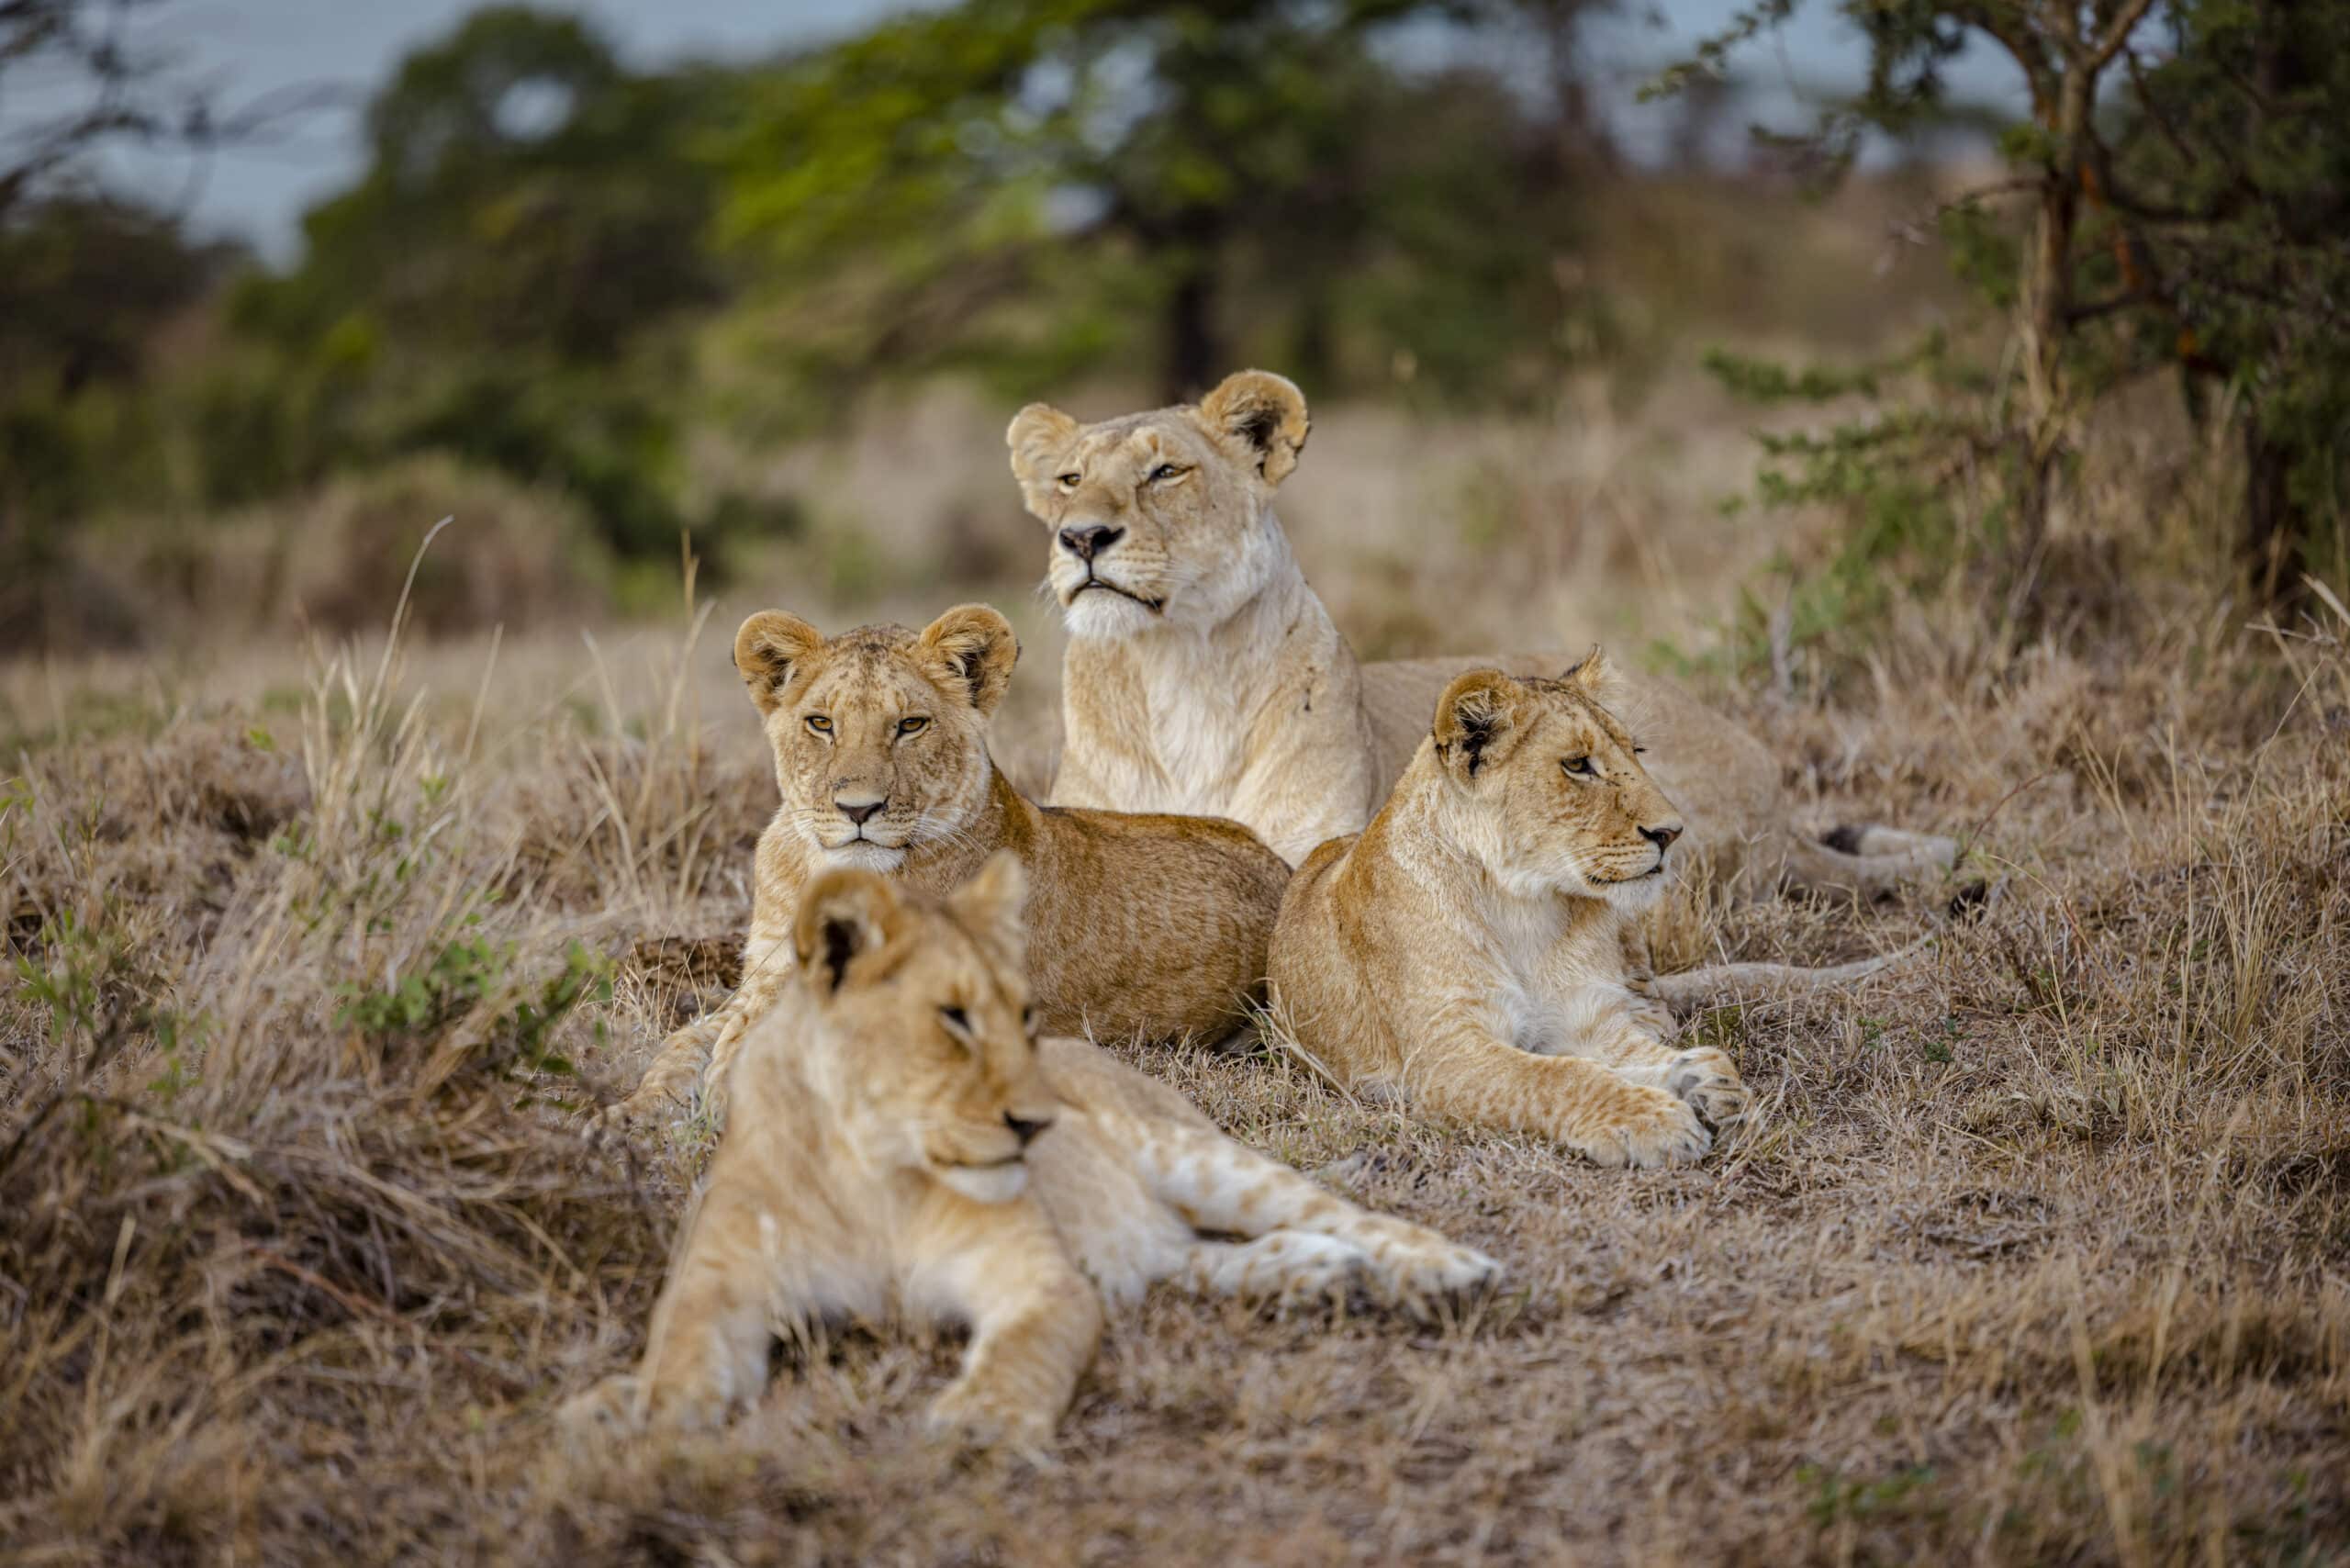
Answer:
(928, 191)
(2186, 164)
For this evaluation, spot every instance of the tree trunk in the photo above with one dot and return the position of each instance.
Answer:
(1194, 355)
(2274, 528)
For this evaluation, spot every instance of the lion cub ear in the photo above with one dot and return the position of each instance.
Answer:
(1597, 678)
(991, 903)
(1261, 414)
(1039, 434)
(770, 651)
(848, 917)
(1476, 723)
(971, 648)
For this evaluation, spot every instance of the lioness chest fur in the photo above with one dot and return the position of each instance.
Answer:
(1140, 926)
(904, 1147)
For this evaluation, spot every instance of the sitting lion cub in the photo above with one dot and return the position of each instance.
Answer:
(907, 1147)
(1466, 947)
(1143, 926)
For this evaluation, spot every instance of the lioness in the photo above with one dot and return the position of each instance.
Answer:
(1144, 926)
(1203, 675)
(907, 1147)
(1466, 948)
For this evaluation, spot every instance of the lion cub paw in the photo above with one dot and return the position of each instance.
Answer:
(1708, 1080)
(985, 1417)
(1652, 1127)
(613, 1408)
(1438, 1274)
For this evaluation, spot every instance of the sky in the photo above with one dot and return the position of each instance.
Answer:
(248, 47)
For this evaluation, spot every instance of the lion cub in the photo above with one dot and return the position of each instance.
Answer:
(1147, 927)
(1466, 946)
(908, 1147)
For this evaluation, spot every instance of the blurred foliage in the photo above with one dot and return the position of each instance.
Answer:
(2176, 204)
(564, 269)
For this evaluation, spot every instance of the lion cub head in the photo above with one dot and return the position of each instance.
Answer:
(924, 1034)
(879, 734)
(1545, 788)
(1161, 517)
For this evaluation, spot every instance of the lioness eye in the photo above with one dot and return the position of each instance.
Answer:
(913, 726)
(819, 724)
(1167, 471)
(1578, 765)
(1028, 1020)
(957, 1018)
(1072, 478)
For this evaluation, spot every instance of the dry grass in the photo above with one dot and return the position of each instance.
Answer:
(2034, 1251)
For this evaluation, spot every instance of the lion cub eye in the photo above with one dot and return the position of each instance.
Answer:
(913, 726)
(1070, 481)
(820, 725)
(957, 1019)
(1579, 767)
(1167, 471)
(1028, 1022)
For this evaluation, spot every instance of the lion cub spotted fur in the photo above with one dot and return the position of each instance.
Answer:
(1149, 927)
(907, 1148)
(1466, 948)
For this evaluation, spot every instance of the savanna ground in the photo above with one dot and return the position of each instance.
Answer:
(2037, 1249)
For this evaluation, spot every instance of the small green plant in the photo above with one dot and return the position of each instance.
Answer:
(463, 978)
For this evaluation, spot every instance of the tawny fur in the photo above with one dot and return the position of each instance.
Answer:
(1203, 675)
(1467, 948)
(907, 1149)
(1143, 926)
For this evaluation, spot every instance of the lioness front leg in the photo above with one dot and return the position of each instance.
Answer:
(1473, 1077)
(1704, 1075)
(702, 1053)
(1217, 1185)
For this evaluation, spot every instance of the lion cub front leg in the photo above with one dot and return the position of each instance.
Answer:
(1303, 1240)
(1468, 1074)
(1035, 1323)
(706, 1350)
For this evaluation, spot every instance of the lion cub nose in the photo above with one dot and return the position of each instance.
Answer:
(1662, 836)
(1025, 1131)
(1091, 539)
(859, 811)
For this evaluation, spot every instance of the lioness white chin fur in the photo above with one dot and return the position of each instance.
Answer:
(1204, 675)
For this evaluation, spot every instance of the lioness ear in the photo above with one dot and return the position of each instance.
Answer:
(770, 650)
(971, 647)
(1596, 677)
(1476, 722)
(1038, 435)
(1262, 414)
(991, 904)
(845, 915)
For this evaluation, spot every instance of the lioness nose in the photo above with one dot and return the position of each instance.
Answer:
(857, 809)
(1024, 1131)
(1091, 539)
(1661, 836)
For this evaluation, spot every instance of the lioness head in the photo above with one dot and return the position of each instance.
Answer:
(922, 1009)
(1547, 788)
(879, 734)
(1163, 516)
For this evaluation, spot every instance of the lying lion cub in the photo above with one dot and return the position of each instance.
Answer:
(1205, 675)
(907, 1147)
(1466, 947)
(1144, 926)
